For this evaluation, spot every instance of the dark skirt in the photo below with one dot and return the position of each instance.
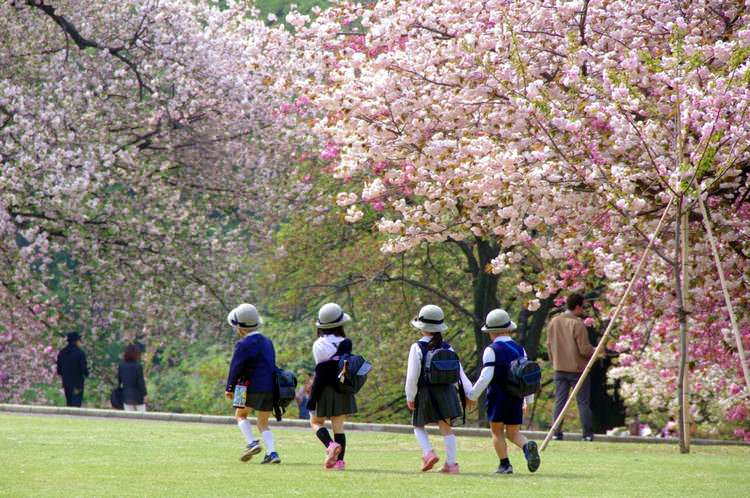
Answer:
(435, 403)
(261, 402)
(332, 403)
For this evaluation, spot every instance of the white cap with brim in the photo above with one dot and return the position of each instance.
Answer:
(245, 316)
(331, 316)
(430, 319)
(498, 321)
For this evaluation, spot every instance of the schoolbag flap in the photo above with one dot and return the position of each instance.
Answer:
(441, 366)
(353, 373)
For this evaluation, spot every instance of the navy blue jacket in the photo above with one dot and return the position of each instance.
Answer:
(253, 363)
(71, 366)
(505, 353)
(130, 378)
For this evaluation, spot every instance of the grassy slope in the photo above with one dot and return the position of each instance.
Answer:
(58, 456)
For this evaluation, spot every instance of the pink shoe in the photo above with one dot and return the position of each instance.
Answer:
(339, 465)
(332, 452)
(429, 460)
(450, 468)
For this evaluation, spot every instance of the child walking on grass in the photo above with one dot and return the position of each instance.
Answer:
(250, 383)
(432, 372)
(504, 411)
(326, 400)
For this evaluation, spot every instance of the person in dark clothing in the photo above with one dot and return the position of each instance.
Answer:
(72, 367)
(325, 401)
(327, 373)
(252, 371)
(130, 379)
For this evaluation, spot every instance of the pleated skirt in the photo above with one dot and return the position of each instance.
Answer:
(436, 402)
(262, 402)
(333, 403)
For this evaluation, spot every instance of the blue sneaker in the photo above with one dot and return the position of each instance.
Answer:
(272, 457)
(504, 469)
(251, 450)
(531, 453)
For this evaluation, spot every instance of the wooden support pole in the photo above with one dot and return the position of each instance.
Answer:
(603, 341)
(727, 299)
(680, 288)
(685, 233)
(680, 275)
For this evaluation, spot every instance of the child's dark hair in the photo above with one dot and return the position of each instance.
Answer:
(337, 331)
(435, 341)
(132, 353)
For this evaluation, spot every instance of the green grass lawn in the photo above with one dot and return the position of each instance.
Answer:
(70, 456)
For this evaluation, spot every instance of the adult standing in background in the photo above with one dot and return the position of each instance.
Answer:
(302, 395)
(130, 378)
(72, 367)
(569, 350)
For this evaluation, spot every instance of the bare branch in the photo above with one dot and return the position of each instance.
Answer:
(83, 43)
(383, 277)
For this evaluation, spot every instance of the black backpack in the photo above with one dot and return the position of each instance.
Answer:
(115, 398)
(353, 370)
(524, 376)
(284, 391)
(440, 366)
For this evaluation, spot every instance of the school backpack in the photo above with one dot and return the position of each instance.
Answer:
(440, 366)
(284, 390)
(524, 376)
(353, 370)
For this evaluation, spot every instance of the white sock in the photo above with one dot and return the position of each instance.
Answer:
(268, 439)
(423, 439)
(450, 449)
(247, 430)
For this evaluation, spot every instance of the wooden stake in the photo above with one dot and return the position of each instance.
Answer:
(680, 275)
(727, 299)
(605, 336)
(685, 223)
(682, 319)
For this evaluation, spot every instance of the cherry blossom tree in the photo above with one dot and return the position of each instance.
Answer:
(145, 147)
(557, 132)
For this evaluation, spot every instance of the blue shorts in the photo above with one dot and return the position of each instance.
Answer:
(504, 408)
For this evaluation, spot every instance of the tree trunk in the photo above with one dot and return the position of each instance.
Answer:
(485, 295)
(484, 286)
(530, 326)
(682, 318)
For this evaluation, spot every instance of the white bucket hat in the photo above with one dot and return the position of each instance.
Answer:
(331, 316)
(497, 321)
(430, 319)
(245, 316)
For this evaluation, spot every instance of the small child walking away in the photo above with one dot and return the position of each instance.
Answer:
(326, 399)
(432, 375)
(504, 410)
(250, 383)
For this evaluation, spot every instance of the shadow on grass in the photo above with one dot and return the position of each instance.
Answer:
(473, 474)
(361, 470)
